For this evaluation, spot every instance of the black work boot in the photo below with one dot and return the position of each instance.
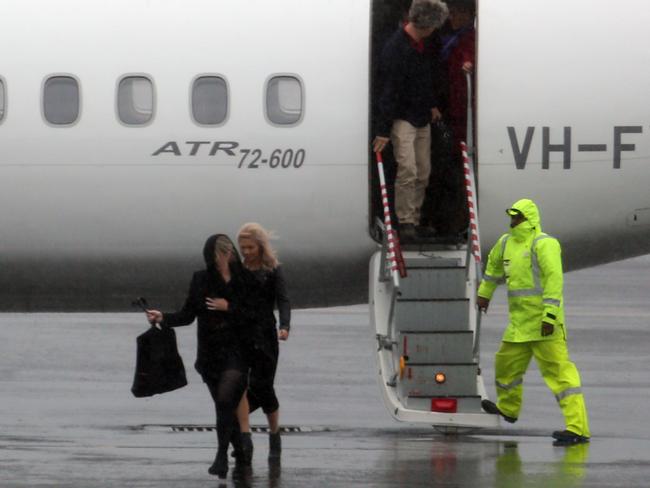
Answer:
(220, 465)
(275, 446)
(568, 438)
(491, 407)
(247, 448)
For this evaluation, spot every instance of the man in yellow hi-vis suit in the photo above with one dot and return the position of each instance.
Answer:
(530, 262)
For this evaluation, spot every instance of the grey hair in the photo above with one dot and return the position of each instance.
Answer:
(427, 14)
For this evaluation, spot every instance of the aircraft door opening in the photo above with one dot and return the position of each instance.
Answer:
(443, 216)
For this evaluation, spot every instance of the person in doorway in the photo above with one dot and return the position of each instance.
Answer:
(445, 203)
(217, 299)
(530, 263)
(407, 106)
(457, 53)
(261, 341)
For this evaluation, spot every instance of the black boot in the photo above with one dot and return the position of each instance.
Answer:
(490, 407)
(275, 446)
(247, 448)
(220, 465)
(568, 438)
(237, 448)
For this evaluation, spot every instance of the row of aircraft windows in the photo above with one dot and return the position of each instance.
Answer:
(135, 104)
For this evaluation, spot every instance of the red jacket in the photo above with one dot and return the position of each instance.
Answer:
(463, 52)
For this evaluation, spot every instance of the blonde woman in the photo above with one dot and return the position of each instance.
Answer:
(261, 341)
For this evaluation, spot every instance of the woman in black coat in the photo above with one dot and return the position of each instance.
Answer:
(217, 299)
(260, 342)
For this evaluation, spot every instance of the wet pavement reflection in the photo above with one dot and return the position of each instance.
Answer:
(68, 419)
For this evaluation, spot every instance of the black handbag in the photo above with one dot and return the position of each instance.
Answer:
(158, 368)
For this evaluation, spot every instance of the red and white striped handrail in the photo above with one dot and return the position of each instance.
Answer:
(470, 189)
(394, 254)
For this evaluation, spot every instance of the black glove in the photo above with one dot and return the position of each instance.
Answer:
(547, 329)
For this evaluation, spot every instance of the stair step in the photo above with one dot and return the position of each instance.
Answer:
(433, 300)
(420, 380)
(439, 282)
(442, 243)
(429, 397)
(429, 262)
(432, 315)
(429, 348)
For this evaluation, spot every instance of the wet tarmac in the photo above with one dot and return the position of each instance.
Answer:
(68, 419)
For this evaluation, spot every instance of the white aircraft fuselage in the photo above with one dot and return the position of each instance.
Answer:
(97, 211)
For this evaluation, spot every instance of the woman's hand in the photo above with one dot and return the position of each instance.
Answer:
(218, 304)
(283, 334)
(154, 316)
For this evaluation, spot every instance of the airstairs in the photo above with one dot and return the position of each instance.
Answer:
(423, 309)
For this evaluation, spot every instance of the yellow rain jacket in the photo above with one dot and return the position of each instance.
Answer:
(530, 263)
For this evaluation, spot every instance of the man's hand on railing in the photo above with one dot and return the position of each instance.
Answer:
(380, 143)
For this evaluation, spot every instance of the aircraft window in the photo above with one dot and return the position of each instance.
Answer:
(284, 100)
(210, 100)
(135, 100)
(61, 100)
(2, 100)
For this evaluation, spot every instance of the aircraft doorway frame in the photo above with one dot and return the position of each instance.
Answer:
(448, 214)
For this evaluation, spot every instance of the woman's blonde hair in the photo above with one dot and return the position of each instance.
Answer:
(262, 238)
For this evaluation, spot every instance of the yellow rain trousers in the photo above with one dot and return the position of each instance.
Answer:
(530, 263)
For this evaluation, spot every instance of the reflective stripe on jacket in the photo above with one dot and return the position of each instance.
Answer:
(530, 263)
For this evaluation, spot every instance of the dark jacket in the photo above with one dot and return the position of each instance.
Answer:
(409, 83)
(269, 290)
(218, 333)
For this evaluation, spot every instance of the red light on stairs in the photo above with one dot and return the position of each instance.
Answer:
(444, 405)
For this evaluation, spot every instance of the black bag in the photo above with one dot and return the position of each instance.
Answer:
(159, 368)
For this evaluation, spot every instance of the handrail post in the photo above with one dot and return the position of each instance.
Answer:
(391, 251)
(394, 250)
(469, 131)
(468, 150)
(474, 236)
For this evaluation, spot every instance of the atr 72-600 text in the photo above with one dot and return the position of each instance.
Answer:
(248, 158)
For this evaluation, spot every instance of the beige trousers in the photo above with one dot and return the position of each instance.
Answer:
(412, 149)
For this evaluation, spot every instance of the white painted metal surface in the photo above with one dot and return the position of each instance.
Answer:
(388, 358)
